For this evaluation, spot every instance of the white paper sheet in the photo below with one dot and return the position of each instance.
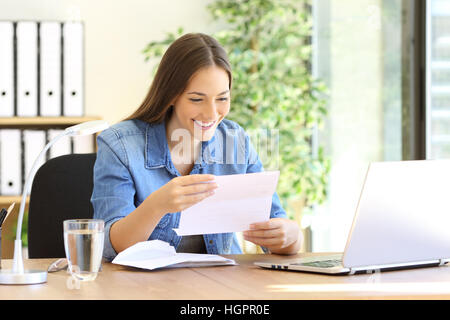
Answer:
(155, 254)
(239, 200)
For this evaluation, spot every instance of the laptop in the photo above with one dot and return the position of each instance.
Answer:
(402, 221)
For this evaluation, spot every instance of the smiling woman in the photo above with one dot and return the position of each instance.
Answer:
(220, 98)
(163, 158)
(179, 64)
(202, 105)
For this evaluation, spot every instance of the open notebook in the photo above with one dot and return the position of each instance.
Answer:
(154, 254)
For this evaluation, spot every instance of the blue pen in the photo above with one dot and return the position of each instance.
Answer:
(2, 216)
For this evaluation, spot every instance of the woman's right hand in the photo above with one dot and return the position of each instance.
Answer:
(182, 192)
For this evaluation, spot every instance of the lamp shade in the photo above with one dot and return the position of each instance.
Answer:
(86, 128)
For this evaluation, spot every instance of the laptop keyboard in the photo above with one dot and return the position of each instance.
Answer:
(322, 264)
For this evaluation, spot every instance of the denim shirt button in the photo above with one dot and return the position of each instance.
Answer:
(211, 242)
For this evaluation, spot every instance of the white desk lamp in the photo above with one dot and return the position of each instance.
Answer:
(18, 275)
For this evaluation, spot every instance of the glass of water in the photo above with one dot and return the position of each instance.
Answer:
(83, 243)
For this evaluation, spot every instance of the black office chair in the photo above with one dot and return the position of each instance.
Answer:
(61, 190)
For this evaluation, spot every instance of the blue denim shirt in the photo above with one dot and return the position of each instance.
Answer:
(133, 160)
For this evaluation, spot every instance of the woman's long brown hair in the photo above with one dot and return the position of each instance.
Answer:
(183, 58)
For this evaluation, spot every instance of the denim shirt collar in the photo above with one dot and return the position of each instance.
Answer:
(157, 153)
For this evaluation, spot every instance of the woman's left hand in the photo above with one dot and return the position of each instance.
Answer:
(279, 235)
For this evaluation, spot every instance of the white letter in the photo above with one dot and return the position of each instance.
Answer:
(182, 150)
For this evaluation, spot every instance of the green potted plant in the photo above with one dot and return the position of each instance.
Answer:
(274, 93)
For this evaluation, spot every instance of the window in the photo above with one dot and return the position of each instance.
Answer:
(359, 54)
(438, 79)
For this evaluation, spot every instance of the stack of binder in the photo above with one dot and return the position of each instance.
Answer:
(20, 148)
(41, 75)
(42, 69)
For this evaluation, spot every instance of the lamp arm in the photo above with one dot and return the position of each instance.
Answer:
(18, 275)
(29, 181)
(18, 260)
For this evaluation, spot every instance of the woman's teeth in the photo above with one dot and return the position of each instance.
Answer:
(204, 124)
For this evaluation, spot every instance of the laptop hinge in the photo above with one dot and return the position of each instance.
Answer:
(443, 261)
(368, 271)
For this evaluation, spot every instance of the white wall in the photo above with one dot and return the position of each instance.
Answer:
(116, 32)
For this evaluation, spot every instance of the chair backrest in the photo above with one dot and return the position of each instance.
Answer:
(61, 190)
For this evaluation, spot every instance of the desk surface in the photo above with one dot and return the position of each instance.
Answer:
(244, 281)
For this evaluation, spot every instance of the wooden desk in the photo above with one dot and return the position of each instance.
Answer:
(244, 281)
